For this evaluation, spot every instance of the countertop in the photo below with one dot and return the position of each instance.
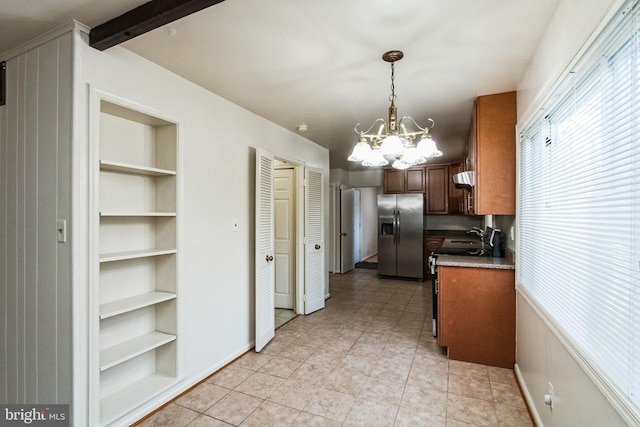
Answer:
(476, 262)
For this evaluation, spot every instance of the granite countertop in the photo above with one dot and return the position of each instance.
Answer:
(476, 262)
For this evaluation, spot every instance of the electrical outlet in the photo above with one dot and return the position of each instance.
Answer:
(549, 397)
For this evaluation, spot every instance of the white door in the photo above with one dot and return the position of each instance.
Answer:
(314, 240)
(346, 230)
(285, 228)
(265, 271)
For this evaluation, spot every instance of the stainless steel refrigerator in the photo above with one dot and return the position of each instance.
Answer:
(400, 231)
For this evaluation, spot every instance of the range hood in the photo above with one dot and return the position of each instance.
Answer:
(464, 180)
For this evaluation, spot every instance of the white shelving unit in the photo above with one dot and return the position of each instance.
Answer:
(137, 239)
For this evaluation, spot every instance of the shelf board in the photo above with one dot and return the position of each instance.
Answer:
(131, 214)
(106, 165)
(112, 356)
(125, 255)
(133, 395)
(135, 302)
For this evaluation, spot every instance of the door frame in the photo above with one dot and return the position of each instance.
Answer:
(299, 167)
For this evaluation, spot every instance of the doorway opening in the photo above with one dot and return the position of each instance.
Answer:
(285, 205)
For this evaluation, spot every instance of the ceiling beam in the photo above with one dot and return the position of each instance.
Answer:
(147, 17)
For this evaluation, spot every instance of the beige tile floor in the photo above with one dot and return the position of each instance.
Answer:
(282, 316)
(367, 359)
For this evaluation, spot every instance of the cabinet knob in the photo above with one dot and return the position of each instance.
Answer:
(269, 258)
(317, 247)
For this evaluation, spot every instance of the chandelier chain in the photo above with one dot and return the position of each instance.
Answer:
(392, 97)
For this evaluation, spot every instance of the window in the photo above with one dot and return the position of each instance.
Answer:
(579, 207)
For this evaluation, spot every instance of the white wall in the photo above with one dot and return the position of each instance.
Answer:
(35, 270)
(218, 165)
(541, 355)
(369, 221)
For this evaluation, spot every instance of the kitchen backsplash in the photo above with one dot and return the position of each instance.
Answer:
(452, 222)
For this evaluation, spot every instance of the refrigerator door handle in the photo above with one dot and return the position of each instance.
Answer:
(395, 227)
(398, 227)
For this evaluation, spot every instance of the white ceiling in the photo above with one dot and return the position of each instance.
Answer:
(319, 62)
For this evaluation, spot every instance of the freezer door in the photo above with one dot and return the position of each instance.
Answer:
(409, 230)
(387, 234)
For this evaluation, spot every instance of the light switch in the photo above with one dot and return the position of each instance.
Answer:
(62, 231)
(234, 224)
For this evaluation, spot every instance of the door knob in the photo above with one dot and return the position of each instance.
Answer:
(317, 247)
(343, 234)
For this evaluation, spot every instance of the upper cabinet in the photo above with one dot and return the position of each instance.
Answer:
(437, 189)
(457, 196)
(492, 155)
(404, 181)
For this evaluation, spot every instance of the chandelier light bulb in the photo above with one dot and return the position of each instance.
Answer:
(401, 165)
(375, 159)
(427, 148)
(412, 157)
(392, 145)
(360, 152)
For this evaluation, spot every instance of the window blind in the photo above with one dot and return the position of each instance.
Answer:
(579, 206)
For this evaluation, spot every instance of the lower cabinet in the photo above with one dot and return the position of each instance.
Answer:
(477, 315)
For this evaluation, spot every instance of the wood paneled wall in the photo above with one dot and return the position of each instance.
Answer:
(35, 191)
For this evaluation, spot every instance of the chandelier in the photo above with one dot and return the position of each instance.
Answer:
(395, 139)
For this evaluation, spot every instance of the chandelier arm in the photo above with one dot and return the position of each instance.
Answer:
(367, 134)
(423, 129)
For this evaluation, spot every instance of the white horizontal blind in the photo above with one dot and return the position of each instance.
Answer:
(579, 206)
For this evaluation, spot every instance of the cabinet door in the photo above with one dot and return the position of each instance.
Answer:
(456, 195)
(477, 315)
(415, 180)
(437, 189)
(495, 154)
(393, 181)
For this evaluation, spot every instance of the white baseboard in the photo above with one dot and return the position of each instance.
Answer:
(527, 397)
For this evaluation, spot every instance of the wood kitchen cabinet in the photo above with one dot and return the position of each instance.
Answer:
(411, 180)
(456, 195)
(477, 315)
(437, 189)
(491, 154)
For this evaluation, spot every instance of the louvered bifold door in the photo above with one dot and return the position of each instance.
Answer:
(314, 247)
(265, 267)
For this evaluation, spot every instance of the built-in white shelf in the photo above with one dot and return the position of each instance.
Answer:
(127, 398)
(107, 165)
(136, 264)
(112, 356)
(125, 305)
(136, 214)
(125, 255)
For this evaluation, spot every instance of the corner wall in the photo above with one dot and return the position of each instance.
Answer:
(541, 357)
(35, 269)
